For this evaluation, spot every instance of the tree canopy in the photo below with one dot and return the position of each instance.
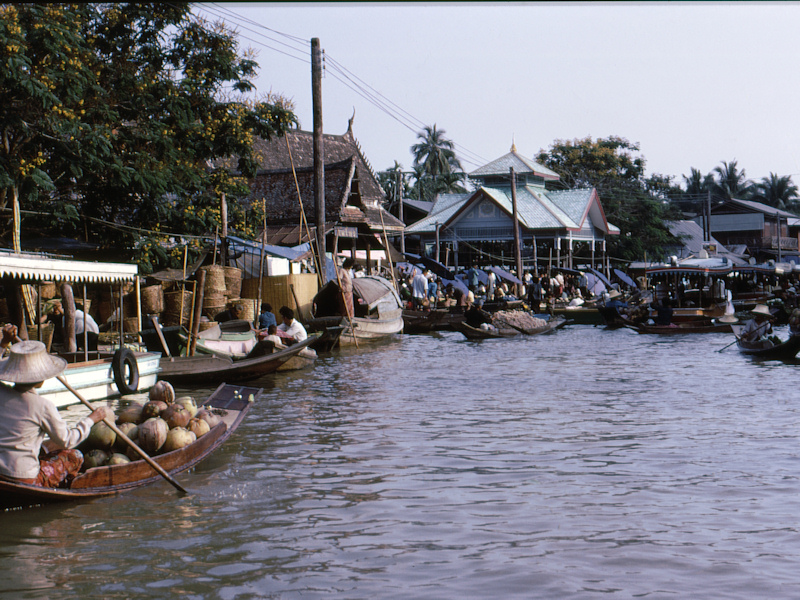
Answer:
(123, 119)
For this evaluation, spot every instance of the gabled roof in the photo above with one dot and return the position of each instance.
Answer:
(521, 165)
(757, 207)
(692, 238)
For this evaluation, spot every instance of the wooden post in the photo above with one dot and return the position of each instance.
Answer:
(16, 309)
(319, 151)
(436, 246)
(398, 192)
(535, 258)
(261, 263)
(68, 304)
(85, 328)
(515, 218)
(223, 250)
(198, 310)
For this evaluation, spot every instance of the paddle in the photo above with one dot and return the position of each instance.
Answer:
(729, 345)
(125, 438)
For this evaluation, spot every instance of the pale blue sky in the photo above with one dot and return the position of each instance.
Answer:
(693, 83)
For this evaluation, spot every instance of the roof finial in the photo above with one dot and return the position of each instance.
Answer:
(350, 121)
(513, 145)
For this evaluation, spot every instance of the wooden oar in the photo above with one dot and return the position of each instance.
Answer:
(125, 438)
(729, 345)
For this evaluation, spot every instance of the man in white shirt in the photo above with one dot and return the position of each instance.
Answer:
(290, 328)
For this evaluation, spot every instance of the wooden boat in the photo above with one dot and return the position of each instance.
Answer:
(476, 333)
(207, 368)
(230, 402)
(783, 351)
(581, 315)
(96, 375)
(427, 321)
(685, 327)
(378, 309)
(329, 338)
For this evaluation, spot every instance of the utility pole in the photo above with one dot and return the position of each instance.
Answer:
(319, 153)
(517, 249)
(398, 193)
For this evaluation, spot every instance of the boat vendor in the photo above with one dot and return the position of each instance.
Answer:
(56, 316)
(759, 326)
(234, 313)
(290, 328)
(25, 455)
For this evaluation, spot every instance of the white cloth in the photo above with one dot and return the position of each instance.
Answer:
(753, 331)
(419, 286)
(276, 340)
(90, 322)
(295, 330)
(27, 420)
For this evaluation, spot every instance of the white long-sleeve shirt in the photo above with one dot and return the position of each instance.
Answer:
(27, 420)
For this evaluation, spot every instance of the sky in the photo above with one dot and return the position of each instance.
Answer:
(693, 84)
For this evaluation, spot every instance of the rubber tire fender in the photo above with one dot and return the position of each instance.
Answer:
(122, 358)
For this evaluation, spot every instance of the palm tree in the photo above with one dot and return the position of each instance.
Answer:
(777, 191)
(698, 184)
(732, 183)
(434, 154)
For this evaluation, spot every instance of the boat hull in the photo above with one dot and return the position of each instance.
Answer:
(371, 330)
(94, 379)
(784, 351)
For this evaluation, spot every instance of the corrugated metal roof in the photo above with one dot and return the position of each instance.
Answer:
(34, 267)
(762, 208)
(520, 164)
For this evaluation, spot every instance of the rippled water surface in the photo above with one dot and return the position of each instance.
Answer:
(586, 463)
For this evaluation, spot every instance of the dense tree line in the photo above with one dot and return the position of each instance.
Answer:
(118, 120)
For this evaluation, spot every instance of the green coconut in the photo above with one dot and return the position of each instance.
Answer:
(129, 429)
(208, 416)
(117, 459)
(176, 415)
(178, 438)
(198, 427)
(101, 436)
(130, 414)
(94, 458)
(152, 409)
(162, 391)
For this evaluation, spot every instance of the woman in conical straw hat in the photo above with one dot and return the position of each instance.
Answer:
(759, 326)
(28, 419)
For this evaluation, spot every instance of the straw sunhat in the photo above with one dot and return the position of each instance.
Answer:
(729, 319)
(761, 309)
(29, 362)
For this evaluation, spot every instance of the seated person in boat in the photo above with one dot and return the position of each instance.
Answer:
(664, 312)
(759, 327)
(271, 335)
(458, 297)
(291, 329)
(267, 317)
(25, 455)
(794, 322)
(234, 313)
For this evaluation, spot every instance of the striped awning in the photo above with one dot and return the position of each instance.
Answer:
(33, 268)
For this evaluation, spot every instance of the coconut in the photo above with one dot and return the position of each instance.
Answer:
(162, 391)
(152, 409)
(189, 403)
(153, 434)
(208, 416)
(130, 414)
(101, 436)
(117, 459)
(176, 415)
(178, 438)
(198, 427)
(94, 458)
(129, 429)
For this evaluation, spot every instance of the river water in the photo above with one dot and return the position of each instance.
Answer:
(580, 464)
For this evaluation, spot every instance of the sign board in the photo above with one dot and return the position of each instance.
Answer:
(346, 232)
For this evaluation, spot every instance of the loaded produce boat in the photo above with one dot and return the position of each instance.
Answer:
(230, 405)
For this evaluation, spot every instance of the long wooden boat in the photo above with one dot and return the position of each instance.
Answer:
(378, 310)
(784, 351)
(230, 402)
(329, 338)
(681, 328)
(96, 375)
(207, 368)
(476, 333)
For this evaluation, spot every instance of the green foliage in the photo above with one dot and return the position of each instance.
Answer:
(777, 191)
(123, 113)
(437, 168)
(635, 204)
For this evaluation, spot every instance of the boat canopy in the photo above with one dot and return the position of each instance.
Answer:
(373, 289)
(35, 267)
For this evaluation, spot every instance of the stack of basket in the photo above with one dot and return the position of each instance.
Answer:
(214, 292)
(172, 307)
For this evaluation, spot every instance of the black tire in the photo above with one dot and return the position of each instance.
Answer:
(125, 358)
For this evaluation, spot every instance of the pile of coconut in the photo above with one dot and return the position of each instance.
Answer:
(162, 425)
(516, 319)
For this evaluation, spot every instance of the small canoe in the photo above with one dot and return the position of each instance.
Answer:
(210, 369)
(476, 333)
(230, 402)
(681, 328)
(767, 350)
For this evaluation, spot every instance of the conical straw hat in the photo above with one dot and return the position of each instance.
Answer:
(30, 363)
(761, 309)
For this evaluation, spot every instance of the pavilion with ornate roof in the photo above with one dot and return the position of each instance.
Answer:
(557, 227)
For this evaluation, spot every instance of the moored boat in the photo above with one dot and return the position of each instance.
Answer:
(229, 402)
(681, 328)
(427, 321)
(479, 333)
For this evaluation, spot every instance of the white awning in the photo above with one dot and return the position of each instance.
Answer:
(32, 267)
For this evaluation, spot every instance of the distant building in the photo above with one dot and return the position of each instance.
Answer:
(694, 245)
(766, 232)
(555, 226)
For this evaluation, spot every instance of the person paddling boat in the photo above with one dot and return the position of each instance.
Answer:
(26, 456)
(759, 327)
